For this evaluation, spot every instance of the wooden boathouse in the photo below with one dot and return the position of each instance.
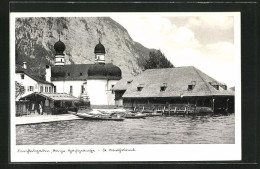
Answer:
(174, 90)
(38, 103)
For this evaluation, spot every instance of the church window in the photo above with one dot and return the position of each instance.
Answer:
(71, 90)
(82, 89)
(54, 89)
(112, 89)
(46, 89)
(22, 76)
(50, 89)
(41, 89)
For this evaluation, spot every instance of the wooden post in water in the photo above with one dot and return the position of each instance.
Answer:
(227, 106)
(213, 105)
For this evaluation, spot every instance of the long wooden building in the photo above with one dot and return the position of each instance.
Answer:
(171, 89)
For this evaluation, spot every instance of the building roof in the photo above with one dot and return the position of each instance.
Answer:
(35, 76)
(86, 71)
(52, 96)
(123, 84)
(176, 81)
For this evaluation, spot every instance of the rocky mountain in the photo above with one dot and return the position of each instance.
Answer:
(35, 38)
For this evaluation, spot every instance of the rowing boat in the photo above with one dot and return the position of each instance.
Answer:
(99, 117)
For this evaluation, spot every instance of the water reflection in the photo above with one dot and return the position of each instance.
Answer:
(155, 130)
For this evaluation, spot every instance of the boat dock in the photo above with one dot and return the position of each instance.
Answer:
(32, 119)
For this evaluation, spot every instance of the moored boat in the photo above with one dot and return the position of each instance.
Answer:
(154, 114)
(135, 116)
(99, 117)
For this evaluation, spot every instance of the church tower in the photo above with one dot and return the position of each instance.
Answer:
(99, 53)
(59, 55)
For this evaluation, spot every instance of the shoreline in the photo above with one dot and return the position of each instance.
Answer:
(36, 119)
(24, 120)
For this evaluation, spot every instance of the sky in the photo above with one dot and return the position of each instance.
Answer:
(204, 41)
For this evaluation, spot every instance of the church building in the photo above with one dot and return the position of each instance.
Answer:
(94, 81)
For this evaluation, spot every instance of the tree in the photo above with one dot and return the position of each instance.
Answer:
(157, 60)
(19, 89)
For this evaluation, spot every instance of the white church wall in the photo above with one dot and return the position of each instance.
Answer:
(111, 95)
(97, 91)
(64, 87)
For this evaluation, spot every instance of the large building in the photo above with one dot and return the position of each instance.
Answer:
(64, 84)
(96, 80)
(174, 87)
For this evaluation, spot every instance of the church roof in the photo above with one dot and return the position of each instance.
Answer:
(176, 80)
(35, 76)
(86, 71)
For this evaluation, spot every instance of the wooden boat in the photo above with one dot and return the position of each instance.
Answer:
(99, 117)
(155, 114)
(135, 116)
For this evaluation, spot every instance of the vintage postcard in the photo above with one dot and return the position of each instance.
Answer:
(117, 87)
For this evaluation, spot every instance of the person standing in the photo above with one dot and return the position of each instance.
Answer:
(40, 109)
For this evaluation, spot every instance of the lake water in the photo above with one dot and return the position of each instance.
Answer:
(187, 129)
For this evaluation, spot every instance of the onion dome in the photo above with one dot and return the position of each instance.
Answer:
(59, 47)
(108, 71)
(99, 48)
(113, 71)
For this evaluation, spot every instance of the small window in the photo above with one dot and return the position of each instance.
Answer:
(191, 87)
(140, 88)
(54, 89)
(82, 88)
(130, 81)
(163, 87)
(68, 74)
(41, 89)
(46, 89)
(71, 90)
(224, 87)
(80, 74)
(50, 89)
(112, 89)
(30, 88)
(215, 85)
(22, 76)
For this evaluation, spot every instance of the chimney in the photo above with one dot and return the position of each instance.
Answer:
(25, 65)
(48, 73)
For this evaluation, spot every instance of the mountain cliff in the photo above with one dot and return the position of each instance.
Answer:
(35, 38)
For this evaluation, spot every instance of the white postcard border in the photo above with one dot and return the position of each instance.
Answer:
(98, 153)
